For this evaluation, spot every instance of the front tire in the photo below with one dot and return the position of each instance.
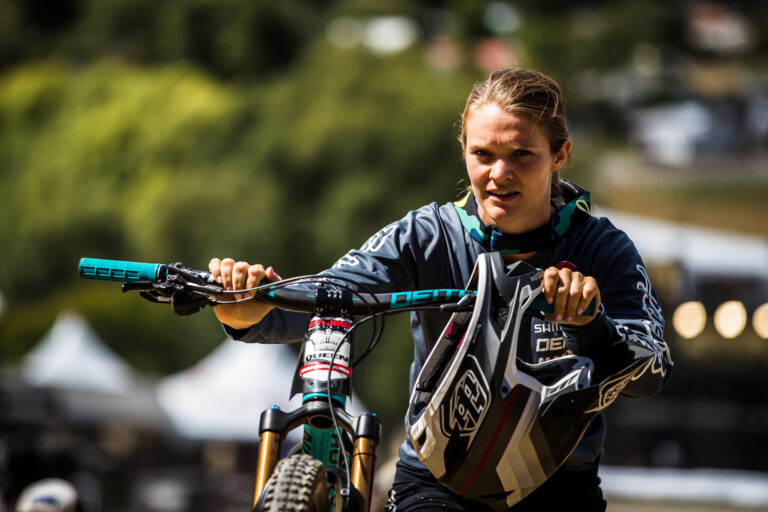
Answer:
(298, 484)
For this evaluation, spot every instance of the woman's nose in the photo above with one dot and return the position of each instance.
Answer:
(500, 170)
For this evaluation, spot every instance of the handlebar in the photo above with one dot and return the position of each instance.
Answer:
(189, 290)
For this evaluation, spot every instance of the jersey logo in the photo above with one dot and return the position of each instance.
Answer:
(374, 244)
(651, 306)
(610, 389)
(378, 240)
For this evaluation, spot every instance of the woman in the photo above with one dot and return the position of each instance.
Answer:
(515, 140)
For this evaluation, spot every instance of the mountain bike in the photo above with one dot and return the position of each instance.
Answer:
(333, 468)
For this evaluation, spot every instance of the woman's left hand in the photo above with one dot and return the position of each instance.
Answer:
(569, 292)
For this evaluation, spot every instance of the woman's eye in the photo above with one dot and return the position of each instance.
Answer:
(482, 153)
(522, 152)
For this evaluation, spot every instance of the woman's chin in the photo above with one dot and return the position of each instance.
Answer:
(503, 219)
(512, 221)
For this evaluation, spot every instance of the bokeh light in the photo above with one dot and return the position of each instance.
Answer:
(689, 319)
(760, 321)
(730, 319)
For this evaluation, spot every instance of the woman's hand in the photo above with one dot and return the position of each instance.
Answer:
(241, 275)
(569, 292)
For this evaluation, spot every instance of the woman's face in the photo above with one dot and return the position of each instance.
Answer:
(510, 166)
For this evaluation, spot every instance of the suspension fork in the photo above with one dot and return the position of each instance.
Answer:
(365, 430)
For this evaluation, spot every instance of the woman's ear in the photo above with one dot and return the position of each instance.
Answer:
(562, 155)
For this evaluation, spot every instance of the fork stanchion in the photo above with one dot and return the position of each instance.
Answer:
(363, 462)
(367, 435)
(269, 451)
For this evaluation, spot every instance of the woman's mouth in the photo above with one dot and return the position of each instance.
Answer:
(502, 196)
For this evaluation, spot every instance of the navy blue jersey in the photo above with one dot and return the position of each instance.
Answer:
(429, 248)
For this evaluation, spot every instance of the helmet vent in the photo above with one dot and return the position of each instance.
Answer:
(499, 311)
(422, 400)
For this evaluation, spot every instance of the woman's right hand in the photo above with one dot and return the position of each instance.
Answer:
(241, 275)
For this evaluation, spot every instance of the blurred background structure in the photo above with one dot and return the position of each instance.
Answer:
(288, 132)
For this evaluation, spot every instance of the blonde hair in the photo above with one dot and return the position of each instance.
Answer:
(527, 92)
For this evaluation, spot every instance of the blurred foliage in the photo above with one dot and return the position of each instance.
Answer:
(117, 159)
(168, 164)
(186, 129)
(227, 37)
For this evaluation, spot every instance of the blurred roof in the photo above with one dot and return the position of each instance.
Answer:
(72, 356)
(89, 383)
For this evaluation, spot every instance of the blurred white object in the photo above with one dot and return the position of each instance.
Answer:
(670, 133)
(734, 488)
(49, 495)
(72, 356)
(386, 35)
(92, 383)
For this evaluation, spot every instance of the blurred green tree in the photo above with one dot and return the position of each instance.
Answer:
(167, 164)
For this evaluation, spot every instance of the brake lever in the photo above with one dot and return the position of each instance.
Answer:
(153, 296)
(208, 289)
(138, 285)
(189, 276)
(188, 302)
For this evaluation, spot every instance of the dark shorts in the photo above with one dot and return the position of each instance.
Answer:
(416, 490)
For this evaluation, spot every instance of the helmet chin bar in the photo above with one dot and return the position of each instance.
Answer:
(487, 424)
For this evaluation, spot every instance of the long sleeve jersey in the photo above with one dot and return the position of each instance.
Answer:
(429, 249)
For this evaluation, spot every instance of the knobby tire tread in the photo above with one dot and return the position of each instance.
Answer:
(299, 484)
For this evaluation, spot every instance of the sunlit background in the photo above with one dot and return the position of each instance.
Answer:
(288, 132)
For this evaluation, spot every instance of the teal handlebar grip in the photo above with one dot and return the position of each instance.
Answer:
(540, 304)
(122, 271)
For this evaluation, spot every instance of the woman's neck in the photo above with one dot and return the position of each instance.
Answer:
(511, 258)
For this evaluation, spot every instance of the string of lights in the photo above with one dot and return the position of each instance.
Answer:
(730, 319)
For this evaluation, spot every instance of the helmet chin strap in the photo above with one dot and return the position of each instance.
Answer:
(571, 210)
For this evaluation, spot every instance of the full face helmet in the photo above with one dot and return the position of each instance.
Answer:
(487, 424)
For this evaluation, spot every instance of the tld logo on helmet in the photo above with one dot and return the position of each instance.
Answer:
(464, 412)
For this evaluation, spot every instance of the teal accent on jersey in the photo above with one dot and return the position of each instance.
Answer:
(472, 224)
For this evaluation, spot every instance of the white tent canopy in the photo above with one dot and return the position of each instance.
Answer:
(71, 356)
(90, 382)
(223, 395)
(698, 250)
